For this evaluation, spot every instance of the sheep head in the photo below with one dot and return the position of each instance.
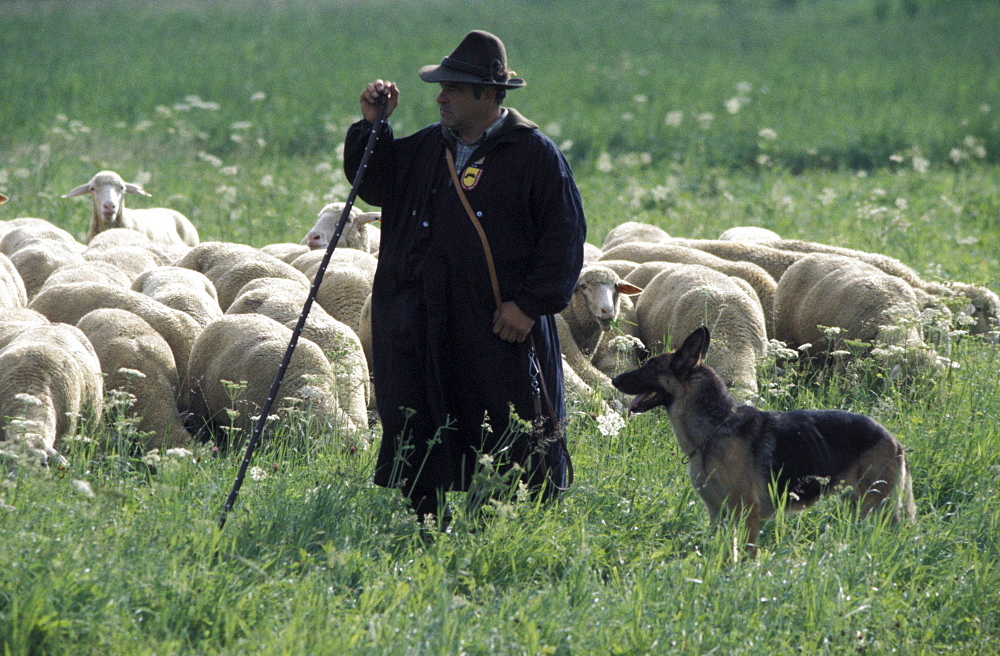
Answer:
(107, 190)
(355, 234)
(599, 288)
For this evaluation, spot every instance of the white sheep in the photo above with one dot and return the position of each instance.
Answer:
(596, 303)
(230, 266)
(591, 253)
(162, 225)
(684, 297)
(51, 379)
(182, 289)
(68, 303)
(137, 360)
(646, 254)
(283, 301)
(823, 291)
(346, 284)
(87, 271)
(749, 233)
(358, 231)
(37, 248)
(12, 292)
(245, 350)
(633, 231)
(286, 252)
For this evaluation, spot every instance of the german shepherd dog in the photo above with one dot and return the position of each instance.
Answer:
(741, 459)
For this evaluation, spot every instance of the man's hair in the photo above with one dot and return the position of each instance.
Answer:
(477, 92)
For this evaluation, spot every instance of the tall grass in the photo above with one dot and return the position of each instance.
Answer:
(234, 112)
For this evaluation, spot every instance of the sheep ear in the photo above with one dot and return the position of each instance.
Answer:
(627, 288)
(368, 217)
(133, 188)
(3, 199)
(79, 191)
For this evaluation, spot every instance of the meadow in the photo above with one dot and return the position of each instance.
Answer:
(872, 124)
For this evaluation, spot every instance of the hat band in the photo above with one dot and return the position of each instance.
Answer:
(486, 74)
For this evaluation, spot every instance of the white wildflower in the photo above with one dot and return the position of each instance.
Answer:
(921, 164)
(674, 119)
(610, 424)
(83, 487)
(768, 134)
(733, 105)
(257, 474)
(179, 452)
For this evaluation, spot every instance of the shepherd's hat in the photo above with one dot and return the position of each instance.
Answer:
(479, 59)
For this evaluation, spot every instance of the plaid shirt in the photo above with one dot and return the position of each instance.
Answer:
(463, 150)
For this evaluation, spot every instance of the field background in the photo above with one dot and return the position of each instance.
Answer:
(873, 124)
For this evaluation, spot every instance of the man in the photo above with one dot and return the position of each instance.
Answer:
(450, 367)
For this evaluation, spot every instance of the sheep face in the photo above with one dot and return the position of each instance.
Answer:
(107, 190)
(600, 294)
(355, 234)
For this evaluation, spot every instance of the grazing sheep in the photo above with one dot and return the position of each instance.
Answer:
(684, 297)
(15, 320)
(358, 232)
(68, 304)
(182, 289)
(584, 324)
(246, 350)
(23, 232)
(284, 251)
(763, 254)
(749, 233)
(761, 281)
(633, 231)
(107, 190)
(862, 301)
(12, 292)
(365, 332)
(230, 266)
(39, 260)
(132, 260)
(87, 271)
(115, 238)
(591, 253)
(346, 284)
(283, 300)
(136, 359)
(982, 304)
(51, 378)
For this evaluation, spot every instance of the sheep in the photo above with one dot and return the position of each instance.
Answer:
(749, 233)
(773, 260)
(22, 232)
(16, 320)
(584, 324)
(982, 304)
(51, 378)
(358, 232)
(137, 360)
(115, 238)
(283, 301)
(761, 281)
(107, 190)
(246, 350)
(68, 303)
(823, 291)
(285, 252)
(633, 231)
(686, 296)
(230, 266)
(12, 292)
(38, 260)
(87, 271)
(591, 253)
(182, 289)
(346, 283)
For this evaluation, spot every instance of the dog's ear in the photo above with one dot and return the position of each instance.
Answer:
(693, 351)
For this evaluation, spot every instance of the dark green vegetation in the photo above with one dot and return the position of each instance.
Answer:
(873, 124)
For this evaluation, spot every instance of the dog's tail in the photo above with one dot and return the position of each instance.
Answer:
(906, 507)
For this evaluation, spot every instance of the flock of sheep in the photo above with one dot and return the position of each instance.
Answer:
(194, 331)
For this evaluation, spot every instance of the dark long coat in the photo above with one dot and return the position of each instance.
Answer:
(444, 383)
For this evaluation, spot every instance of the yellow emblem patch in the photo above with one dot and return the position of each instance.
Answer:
(470, 177)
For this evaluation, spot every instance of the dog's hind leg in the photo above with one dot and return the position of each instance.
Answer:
(879, 474)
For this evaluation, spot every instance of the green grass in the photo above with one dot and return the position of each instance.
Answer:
(314, 559)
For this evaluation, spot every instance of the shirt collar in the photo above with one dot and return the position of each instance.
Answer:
(453, 137)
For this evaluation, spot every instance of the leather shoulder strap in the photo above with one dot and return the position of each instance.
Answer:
(478, 225)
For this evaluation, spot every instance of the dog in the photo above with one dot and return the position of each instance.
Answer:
(742, 460)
